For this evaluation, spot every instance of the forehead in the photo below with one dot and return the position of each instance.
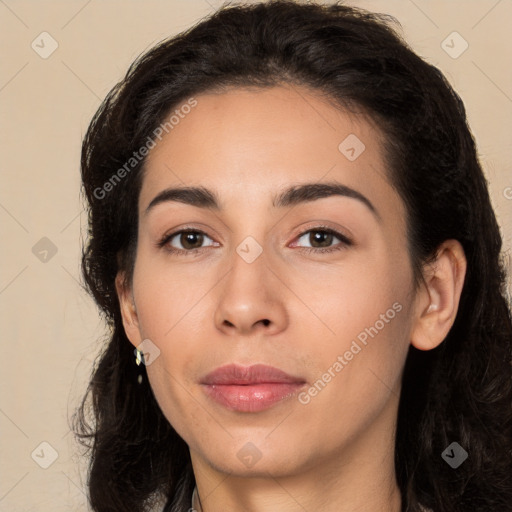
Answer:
(254, 142)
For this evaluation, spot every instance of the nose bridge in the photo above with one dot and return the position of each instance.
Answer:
(249, 275)
(252, 259)
(250, 295)
(250, 239)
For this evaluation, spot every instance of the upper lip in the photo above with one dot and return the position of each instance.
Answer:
(244, 375)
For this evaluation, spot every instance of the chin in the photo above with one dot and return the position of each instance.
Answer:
(256, 457)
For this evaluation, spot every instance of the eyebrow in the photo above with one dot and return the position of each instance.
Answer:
(202, 197)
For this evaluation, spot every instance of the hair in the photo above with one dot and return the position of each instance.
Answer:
(461, 391)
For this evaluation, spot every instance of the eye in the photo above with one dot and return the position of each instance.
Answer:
(321, 239)
(189, 241)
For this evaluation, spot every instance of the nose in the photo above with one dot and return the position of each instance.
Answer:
(251, 299)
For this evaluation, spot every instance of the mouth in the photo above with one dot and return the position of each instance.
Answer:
(250, 389)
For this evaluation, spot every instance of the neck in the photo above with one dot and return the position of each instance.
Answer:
(387, 503)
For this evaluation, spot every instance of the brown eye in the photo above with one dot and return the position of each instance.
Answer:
(185, 241)
(322, 239)
(191, 239)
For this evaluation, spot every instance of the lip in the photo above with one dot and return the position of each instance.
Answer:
(250, 388)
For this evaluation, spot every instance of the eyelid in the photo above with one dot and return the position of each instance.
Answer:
(344, 234)
(189, 227)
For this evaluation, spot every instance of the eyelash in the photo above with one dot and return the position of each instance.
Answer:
(345, 242)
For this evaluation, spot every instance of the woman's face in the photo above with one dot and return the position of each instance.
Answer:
(316, 283)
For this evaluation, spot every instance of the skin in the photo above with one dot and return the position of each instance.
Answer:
(334, 453)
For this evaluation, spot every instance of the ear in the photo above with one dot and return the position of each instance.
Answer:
(128, 310)
(438, 298)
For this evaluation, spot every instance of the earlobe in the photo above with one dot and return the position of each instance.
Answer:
(438, 299)
(128, 310)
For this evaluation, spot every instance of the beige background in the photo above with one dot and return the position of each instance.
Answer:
(51, 330)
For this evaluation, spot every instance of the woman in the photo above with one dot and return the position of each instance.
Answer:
(292, 240)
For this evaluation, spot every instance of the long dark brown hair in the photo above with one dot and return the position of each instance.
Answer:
(460, 391)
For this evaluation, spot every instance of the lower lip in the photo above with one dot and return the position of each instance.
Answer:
(252, 397)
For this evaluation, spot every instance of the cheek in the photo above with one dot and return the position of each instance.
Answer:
(169, 297)
(346, 301)
(171, 312)
(365, 312)
(355, 373)
(362, 342)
